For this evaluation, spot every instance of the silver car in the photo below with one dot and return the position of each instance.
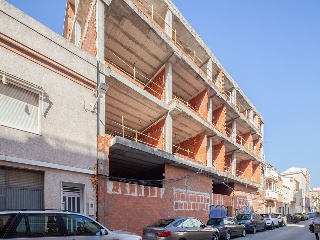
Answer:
(56, 225)
(179, 228)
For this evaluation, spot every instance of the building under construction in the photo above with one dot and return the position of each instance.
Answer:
(177, 134)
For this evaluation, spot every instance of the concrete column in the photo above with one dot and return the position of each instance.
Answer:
(168, 24)
(169, 134)
(209, 69)
(234, 130)
(234, 164)
(168, 76)
(250, 115)
(209, 152)
(261, 152)
(100, 19)
(234, 96)
(262, 129)
(102, 157)
(210, 110)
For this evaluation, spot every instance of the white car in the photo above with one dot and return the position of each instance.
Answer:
(56, 225)
(272, 220)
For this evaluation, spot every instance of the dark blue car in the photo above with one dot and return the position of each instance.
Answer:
(252, 221)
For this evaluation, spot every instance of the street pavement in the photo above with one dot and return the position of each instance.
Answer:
(292, 231)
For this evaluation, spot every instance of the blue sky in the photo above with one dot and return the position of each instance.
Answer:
(271, 48)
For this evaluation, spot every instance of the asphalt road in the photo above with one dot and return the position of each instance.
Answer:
(299, 231)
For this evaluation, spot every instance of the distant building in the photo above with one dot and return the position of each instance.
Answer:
(271, 191)
(315, 199)
(302, 177)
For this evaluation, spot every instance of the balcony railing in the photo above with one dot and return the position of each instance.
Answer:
(269, 194)
(272, 174)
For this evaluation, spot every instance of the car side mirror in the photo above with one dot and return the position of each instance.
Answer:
(102, 232)
(202, 226)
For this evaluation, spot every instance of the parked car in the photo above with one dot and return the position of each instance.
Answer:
(282, 219)
(228, 227)
(300, 216)
(296, 218)
(253, 222)
(180, 228)
(271, 220)
(50, 225)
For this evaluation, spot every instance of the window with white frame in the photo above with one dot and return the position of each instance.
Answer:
(20, 103)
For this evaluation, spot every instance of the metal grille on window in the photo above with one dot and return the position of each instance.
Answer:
(21, 189)
(72, 198)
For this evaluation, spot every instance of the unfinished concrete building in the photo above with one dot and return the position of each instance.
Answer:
(176, 133)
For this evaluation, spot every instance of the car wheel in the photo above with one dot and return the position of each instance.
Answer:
(272, 226)
(215, 237)
(254, 231)
(264, 228)
(227, 236)
(244, 233)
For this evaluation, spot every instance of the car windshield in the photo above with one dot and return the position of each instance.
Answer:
(243, 217)
(162, 222)
(265, 215)
(215, 221)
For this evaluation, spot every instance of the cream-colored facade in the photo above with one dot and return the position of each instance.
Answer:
(302, 177)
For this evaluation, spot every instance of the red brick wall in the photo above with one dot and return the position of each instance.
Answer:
(249, 196)
(219, 118)
(220, 78)
(256, 173)
(154, 135)
(228, 161)
(244, 169)
(70, 14)
(245, 140)
(157, 86)
(243, 196)
(229, 130)
(197, 147)
(218, 154)
(130, 207)
(257, 146)
(200, 103)
(89, 41)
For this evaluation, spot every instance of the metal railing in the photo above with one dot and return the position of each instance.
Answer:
(134, 74)
(115, 128)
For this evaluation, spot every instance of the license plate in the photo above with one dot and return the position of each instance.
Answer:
(149, 234)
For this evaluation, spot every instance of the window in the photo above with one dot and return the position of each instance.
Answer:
(37, 225)
(5, 221)
(229, 221)
(19, 103)
(81, 226)
(188, 223)
(196, 223)
(23, 185)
